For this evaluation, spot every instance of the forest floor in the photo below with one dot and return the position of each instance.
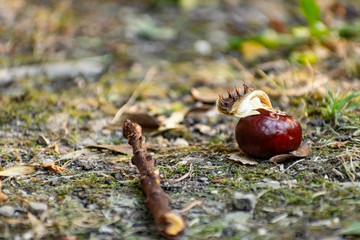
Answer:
(67, 67)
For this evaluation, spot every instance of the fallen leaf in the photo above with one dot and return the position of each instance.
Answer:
(201, 109)
(56, 148)
(220, 180)
(242, 158)
(338, 144)
(174, 120)
(203, 128)
(252, 50)
(303, 151)
(17, 170)
(54, 168)
(146, 121)
(205, 95)
(17, 156)
(15, 222)
(3, 196)
(122, 148)
(38, 226)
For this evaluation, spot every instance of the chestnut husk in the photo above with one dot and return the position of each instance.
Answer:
(262, 132)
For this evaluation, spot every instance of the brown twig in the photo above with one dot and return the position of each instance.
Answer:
(190, 206)
(171, 224)
(182, 177)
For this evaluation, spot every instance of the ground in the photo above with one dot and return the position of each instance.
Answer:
(67, 67)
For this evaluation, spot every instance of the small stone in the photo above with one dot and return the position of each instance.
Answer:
(21, 193)
(5, 191)
(244, 201)
(181, 142)
(106, 229)
(262, 231)
(203, 179)
(193, 159)
(182, 163)
(269, 183)
(7, 211)
(38, 207)
(42, 140)
(118, 176)
(203, 47)
(215, 192)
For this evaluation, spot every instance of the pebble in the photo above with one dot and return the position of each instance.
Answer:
(21, 193)
(38, 207)
(106, 229)
(203, 179)
(203, 47)
(269, 183)
(181, 142)
(215, 192)
(244, 201)
(5, 191)
(189, 159)
(42, 140)
(7, 211)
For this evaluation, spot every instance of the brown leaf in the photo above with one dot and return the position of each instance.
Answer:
(303, 151)
(201, 109)
(146, 121)
(38, 226)
(205, 95)
(337, 144)
(242, 158)
(3, 196)
(54, 168)
(220, 180)
(122, 148)
(17, 170)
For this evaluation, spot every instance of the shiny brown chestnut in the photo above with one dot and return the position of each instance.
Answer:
(262, 131)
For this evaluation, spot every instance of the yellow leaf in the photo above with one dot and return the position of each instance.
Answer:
(252, 50)
(17, 170)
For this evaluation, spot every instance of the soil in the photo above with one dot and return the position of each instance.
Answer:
(68, 66)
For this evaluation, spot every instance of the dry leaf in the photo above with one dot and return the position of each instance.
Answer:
(303, 151)
(252, 50)
(146, 121)
(174, 120)
(201, 109)
(3, 196)
(205, 95)
(220, 180)
(122, 148)
(54, 168)
(242, 158)
(17, 170)
(337, 144)
(56, 148)
(203, 128)
(38, 226)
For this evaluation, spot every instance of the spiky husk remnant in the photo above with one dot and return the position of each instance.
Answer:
(228, 105)
(244, 105)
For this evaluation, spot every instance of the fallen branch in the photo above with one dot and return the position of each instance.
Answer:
(171, 224)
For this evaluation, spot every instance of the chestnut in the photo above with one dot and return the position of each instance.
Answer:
(262, 132)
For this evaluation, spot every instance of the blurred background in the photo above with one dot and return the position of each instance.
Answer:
(72, 71)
